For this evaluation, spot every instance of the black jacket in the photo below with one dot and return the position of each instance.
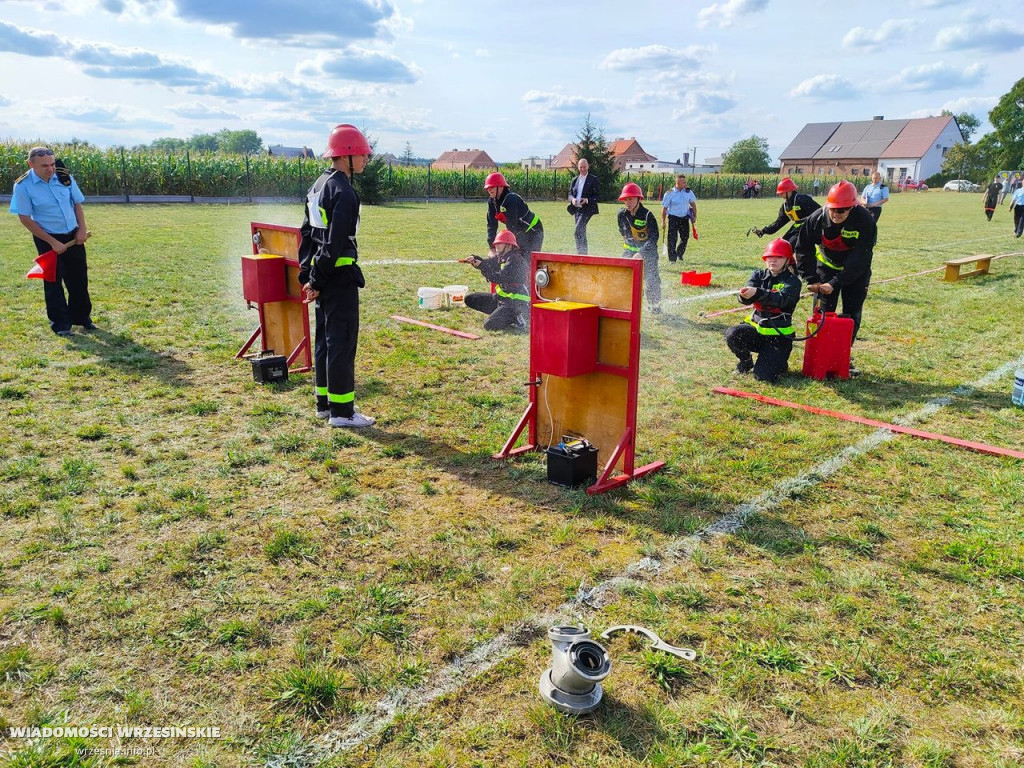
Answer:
(591, 190)
(776, 298)
(639, 231)
(328, 251)
(792, 211)
(510, 272)
(839, 254)
(511, 209)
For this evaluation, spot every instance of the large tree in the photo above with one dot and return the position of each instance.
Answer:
(407, 157)
(244, 142)
(591, 146)
(747, 156)
(1007, 137)
(203, 142)
(968, 123)
(966, 161)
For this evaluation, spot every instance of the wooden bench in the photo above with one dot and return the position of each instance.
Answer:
(983, 260)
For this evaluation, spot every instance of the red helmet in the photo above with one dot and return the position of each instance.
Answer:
(786, 186)
(780, 248)
(495, 180)
(631, 190)
(842, 195)
(507, 238)
(346, 140)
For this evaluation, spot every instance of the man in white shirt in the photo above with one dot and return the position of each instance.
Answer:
(583, 192)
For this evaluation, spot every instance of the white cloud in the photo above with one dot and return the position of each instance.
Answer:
(995, 35)
(653, 57)
(892, 31)
(823, 87)
(354, 63)
(938, 77)
(728, 13)
(195, 110)
(701, 104)
(561, 103)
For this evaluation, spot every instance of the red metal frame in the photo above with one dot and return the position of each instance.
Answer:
(626, 447)
(304, 346)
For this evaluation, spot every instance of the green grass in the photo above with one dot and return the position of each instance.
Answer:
(179, 543)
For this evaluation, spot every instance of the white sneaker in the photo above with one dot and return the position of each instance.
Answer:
(324, 414)
(355, 421)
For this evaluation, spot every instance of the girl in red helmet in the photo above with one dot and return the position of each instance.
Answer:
(834, 250)
(768, 332)
(795, 208)
(510, 209)
(639, 229)
(509, 306)
(330, 275)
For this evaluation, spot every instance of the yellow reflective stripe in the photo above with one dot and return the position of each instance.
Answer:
(321, 391)
(348, 397)
(533, 223)
(507, 295)
(787, 330)
(323, 215)
(820, 256)
(629, 247)
(344, 261)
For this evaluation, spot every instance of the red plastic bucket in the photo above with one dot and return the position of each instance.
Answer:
(696, 278)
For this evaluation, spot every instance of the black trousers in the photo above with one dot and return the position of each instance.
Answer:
(876, 212)
(502, 313)
(337, 336)
(581, 233)
(73, 274)
(531, 241)
(678, 228)
(853, 299)
(1018, 220)
(772, 351)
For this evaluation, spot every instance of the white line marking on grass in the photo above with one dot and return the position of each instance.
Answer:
(485, 656)
(396, 262)
(701, 297)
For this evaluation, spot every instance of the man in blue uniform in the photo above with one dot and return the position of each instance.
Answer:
(49, 204)
(329, 274)
(679, 206)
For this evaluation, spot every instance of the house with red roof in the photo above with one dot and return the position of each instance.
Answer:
(456, 160)
(625, 151)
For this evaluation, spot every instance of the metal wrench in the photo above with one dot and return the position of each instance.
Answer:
(656, 642)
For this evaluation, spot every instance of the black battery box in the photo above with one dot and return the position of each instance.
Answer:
(268, 368)
(572, 462)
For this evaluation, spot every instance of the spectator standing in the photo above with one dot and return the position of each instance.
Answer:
(679, 206)
(992, 197)
(1005, 189)
(1017, 206)
(583, 195)
(48, 203)
(875, 195)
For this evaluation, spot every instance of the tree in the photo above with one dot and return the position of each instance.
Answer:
(968, 123)
(966, 161)
(168, 144)
(245, 142)
(203, 142)
(372, 183)
(592, 147)
(407, 156)
(1007, 137)
(747, 156)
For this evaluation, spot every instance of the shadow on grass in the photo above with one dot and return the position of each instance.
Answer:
(121, 352)
(776, 536)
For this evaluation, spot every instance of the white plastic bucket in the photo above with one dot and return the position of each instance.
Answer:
(456, 295)
(1018, 387)
(430, 298)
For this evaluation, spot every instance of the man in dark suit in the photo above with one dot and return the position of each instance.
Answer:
(583, 193)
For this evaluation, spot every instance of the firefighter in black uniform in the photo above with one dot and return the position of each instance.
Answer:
(768, 331)
(509, 306)
(510, 209)
(329, 275)
(794, 210)
(639, 229)
(834, 249)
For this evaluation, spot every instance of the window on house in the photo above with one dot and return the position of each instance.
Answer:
(867, 172)
(854, 171)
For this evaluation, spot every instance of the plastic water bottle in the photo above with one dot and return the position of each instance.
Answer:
(1018, 387)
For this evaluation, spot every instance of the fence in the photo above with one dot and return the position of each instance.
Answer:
(134, 174)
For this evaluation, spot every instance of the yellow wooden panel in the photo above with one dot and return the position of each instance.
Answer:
(608, 286)
(283, 326)
(613, 341)
(593, 406)
(282, 243)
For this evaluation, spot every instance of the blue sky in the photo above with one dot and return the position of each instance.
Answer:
(513, 78)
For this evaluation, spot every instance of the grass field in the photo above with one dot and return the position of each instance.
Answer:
(182, 546)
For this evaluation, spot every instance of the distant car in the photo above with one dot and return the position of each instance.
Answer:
(961, 185)
(919, 185)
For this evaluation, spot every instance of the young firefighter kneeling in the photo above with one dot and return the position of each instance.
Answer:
(768, 331)
(509, 306)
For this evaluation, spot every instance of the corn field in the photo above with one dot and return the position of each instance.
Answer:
(130, 173)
